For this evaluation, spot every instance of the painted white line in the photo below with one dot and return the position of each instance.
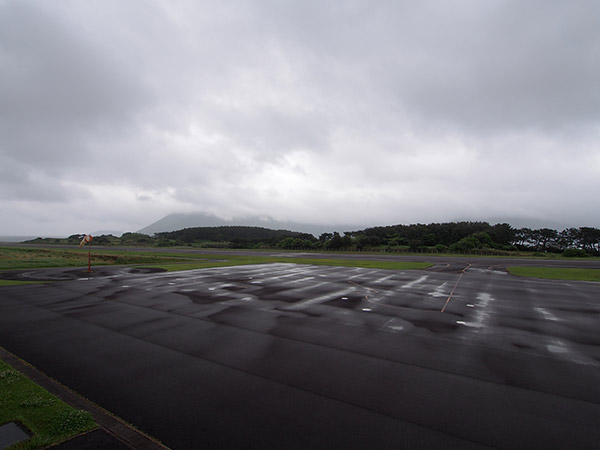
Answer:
(547, 314)
(219, 286)
(481, 315)
(302, 279)
(470, 324)
(438, 291)
(414, 282)
(363, 287)
(568, 353)
(320, 299)
(382, 279)
(385, 325)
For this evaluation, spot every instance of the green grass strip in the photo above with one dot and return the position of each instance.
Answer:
(50, 419)
(29, 258)
(38, 258)
(556, 273)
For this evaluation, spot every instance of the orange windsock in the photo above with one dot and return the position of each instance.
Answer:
(86, 239)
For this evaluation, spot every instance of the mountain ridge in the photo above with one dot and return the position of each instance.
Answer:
(179, 221)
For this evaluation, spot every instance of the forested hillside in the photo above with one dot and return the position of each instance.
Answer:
(468, 237)
(236, 236)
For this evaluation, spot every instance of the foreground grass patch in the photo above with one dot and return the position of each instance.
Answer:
(556, 273)
(39, 258)
(49, 419)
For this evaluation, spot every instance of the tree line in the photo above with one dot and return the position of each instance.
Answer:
(452, 237)
(467, 237)
(234, 236)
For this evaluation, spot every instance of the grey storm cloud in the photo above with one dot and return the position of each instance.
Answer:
(522, 65)
(329, 112)
(57, 89)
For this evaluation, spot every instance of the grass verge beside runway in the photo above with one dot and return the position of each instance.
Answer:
(49, 419)
(556, 273)
(35, 258)
(38, 258)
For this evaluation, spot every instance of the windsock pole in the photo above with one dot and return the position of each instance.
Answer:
(87, 239)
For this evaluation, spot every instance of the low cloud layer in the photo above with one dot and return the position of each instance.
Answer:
(114, 114)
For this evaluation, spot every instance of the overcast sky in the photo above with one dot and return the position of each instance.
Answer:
(116, 113)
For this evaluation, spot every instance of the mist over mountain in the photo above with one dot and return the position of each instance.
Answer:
(527, 222)
(16, 238)
(179, 221)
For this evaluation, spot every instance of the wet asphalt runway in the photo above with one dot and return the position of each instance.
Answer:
(294, 356)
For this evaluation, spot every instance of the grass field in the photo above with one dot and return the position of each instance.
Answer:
(30, 258)
(557, 273)
(48, 418)
(37, 258)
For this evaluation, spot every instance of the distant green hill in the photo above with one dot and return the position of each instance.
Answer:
(179, 221)
(233, 234)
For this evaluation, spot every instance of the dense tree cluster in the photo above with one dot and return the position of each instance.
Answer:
(575, 241)
(471, 237)
(233, 236)
(467, 237)
(453, 237)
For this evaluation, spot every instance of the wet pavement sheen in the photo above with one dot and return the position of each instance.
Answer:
(299, 356)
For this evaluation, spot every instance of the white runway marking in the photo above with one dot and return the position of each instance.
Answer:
(302, 279)
(568, 353)
(480, 315)
(414, 282)
(564, 348)
(438, 291)
(382, 279)
(320, 299)
(547, 314)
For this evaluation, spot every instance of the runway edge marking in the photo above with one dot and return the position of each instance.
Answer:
(454, 288)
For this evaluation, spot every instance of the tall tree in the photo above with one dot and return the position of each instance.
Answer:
(590, 239)
(545, 237)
